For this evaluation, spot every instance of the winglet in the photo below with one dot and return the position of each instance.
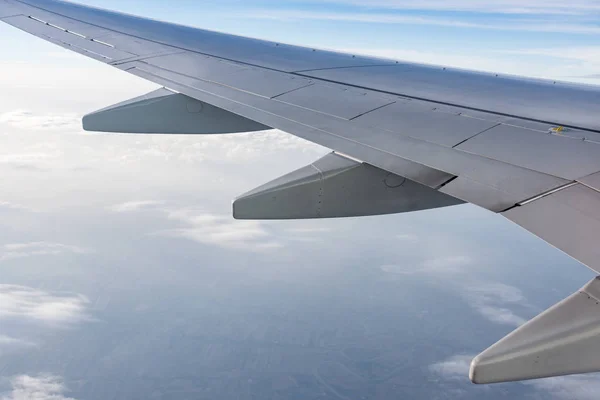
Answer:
(563, 340)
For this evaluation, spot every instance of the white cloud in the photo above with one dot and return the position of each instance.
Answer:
(447, 264)
(308, 230)
(580, 53)
(31, 249)
(31, 160)
(132, 206)
(580, 7)
(222, 231)
(434, 266)
(492, 300)
(243, 147)
(456, 367)
(34, 304)
(7, 340)
(497, 292)
(407, 237)
(24, 119)
(10, 344)
(580, 387)
(536, 25)
(5, 205)
(43, 387)
(499, 315)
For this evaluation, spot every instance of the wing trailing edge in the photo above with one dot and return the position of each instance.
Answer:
(164, 111)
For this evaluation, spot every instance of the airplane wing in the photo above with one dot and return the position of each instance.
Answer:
(404, 136)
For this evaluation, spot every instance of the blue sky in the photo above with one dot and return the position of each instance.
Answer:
(542, 38)
(547, 39)
(118, 252)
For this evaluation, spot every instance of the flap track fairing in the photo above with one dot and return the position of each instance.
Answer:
(164, 111)
(336, 186)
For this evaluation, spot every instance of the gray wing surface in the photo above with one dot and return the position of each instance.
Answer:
(412, 136)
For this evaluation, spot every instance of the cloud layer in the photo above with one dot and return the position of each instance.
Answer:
(132, 206)
(456, 367)
(222, 231)
(582, 387)
(21, 250)
(38, 305)
(495, 300)
(43, 387)
(9, 344)
(551, 7)
(24, 119)
(517, 24)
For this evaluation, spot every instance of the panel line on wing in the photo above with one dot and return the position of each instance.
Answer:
(351, 66)
(588, 186)
(370, 111)
(37, 19)
(290, 91)
(145, 57)
(103, 43)
(449, 181)
(56, 26)
(541, 196)
(81, 49)
(477, 134)
(60, 28)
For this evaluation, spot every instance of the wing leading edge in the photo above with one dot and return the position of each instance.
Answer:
(413, 136)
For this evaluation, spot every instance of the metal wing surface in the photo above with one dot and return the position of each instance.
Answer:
(405, 137)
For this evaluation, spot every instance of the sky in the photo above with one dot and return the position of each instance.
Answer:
(123, 275)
